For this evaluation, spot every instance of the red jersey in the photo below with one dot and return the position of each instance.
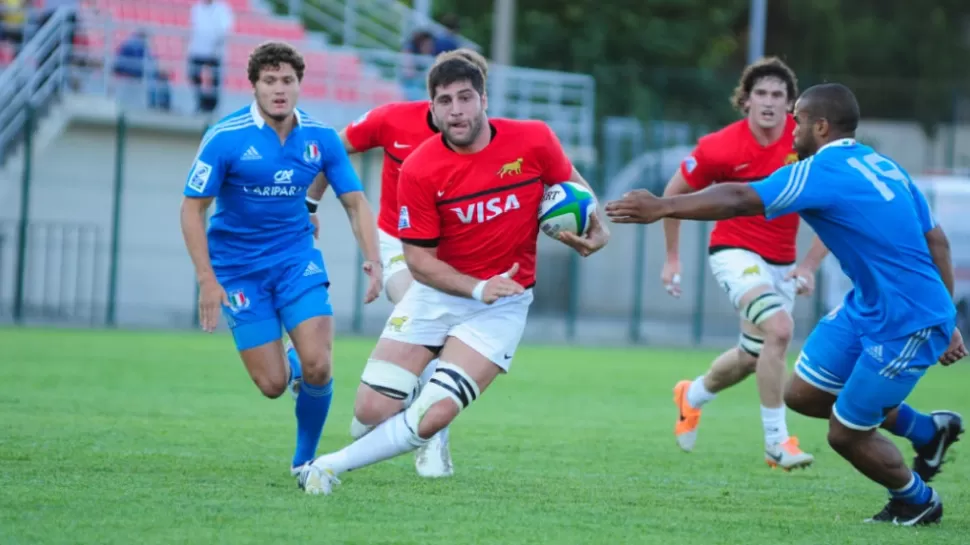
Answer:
(480, 209)
(399, 128)
(733, 155)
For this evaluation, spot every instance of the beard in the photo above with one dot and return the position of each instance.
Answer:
(474, 129)
(804, 150)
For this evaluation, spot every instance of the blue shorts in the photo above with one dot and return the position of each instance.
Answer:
(869, 378)
(263, 302)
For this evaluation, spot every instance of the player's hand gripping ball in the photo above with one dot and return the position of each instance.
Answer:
(566, 207)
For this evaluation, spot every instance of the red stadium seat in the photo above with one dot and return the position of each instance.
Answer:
(330, 75)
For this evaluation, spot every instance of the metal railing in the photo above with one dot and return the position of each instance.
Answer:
(340, 82)
(376, 24)
(38, 71)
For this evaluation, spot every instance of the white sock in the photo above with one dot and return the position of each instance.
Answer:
(391, 438)
(697, 394)
(773, 420)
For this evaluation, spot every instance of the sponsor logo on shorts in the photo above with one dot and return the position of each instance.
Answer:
(238, 301)
(396, 259)
(396, 323)
(753, 270)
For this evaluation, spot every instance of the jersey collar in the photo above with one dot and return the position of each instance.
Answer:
(837, 143)
(260, 122)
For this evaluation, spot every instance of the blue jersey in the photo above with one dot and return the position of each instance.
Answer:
(260, 187)
(870, 215)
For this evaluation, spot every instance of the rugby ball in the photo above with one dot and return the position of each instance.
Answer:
(566, 206)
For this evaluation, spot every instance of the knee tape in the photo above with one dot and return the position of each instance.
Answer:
(763, 307)
(390, 380)
(448, 381)
(751, 344)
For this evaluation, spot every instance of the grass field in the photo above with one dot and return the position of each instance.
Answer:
(111, 437)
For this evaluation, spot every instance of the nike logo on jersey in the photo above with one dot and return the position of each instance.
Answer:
(440, 193)
(400, 146)
(740, 167)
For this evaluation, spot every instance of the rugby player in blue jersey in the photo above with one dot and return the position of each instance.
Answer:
(862, 361)
(258, 265)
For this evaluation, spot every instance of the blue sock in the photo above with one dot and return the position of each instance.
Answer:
(312, 407)
(919, 428)
(915, 493)
(296, 371)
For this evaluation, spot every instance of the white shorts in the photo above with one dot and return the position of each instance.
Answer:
(739, 271)
(392, 255)
(426, 316)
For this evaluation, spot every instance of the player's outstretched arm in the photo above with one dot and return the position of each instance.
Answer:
(211, 293)
(431, 271)
(804, 274)
(717, 202)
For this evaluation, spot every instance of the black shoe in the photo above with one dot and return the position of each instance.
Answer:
(929, 458)
(907, 514)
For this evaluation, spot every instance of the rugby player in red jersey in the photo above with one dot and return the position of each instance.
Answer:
(468, 202)
(752, 258)
(398, 128)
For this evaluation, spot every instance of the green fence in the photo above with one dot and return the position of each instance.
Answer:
(105, 195)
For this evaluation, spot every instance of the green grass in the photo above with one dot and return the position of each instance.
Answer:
(123, 437)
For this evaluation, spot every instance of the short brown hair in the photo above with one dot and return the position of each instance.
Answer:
(769, 67)
(469, 55)
(446, 71)
(272, 55)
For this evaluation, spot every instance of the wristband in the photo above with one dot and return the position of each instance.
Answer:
(312, 205)
(479, 290)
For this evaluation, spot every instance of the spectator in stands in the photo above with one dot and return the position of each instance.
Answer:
(449, 40)
(136, 65)
(211, 22)
(413, 68)
(12, 24)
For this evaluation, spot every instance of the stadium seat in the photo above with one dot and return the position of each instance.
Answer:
(330, 75)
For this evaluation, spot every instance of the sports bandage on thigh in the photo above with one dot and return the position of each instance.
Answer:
(448, 381)
(390, 380)
(751, 344)
(763, 307)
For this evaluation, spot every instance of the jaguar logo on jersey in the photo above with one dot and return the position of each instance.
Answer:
(513, 168)
(487, 210)
(238, 301)
(792, 158)
(312, 152)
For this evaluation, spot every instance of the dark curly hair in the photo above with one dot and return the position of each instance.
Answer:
(769, 67)
(272, 55)
(449, 69)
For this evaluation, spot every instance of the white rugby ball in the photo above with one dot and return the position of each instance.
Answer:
(567, 207)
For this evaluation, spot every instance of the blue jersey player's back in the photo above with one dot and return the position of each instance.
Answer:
(260, 185)
(867, 211)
